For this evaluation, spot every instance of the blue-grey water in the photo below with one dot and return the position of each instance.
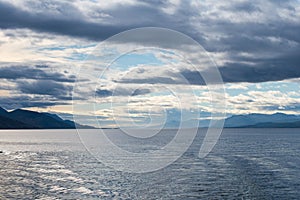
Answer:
(245, 164)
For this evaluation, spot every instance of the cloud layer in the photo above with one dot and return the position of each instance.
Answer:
(256, 42)
(259, 40)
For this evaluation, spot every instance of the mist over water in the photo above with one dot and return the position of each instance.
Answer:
(245, 164)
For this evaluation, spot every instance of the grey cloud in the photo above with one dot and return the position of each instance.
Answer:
(186, 77)
(193, 77)
(253, 37)
(246, 6)
(36, 73)
(140, 92)
(25, 101)
(35, 86)
(68, 20)
(13, 17)
(76, 24)
(263, 70)
(147, 75)
(37, 93)
(272, 69)
(122, 92)
(270, 61)
(149, 80)
(44, 87)
(104, 93)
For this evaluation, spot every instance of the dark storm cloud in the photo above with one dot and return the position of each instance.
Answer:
(270, 38)
(258, 50)
(263, 70)
(260, 70)
(36, 73)
(74, 23)
(13, 17)
(37, 93)
(272, 43)
(254, 37)
(44, 87)
(276, 69)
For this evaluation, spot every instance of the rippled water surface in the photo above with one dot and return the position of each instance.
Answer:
(245, 164)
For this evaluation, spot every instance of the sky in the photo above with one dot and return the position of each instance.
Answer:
(52, 57)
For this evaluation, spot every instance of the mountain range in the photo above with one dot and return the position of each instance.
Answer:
(25, 119)
(277, 120)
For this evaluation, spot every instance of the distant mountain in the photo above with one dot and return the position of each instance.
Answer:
(275, 125)
(277, 120)
(262, 120)
(24, 119)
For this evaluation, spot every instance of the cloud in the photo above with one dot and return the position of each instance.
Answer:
(270, 101)
(273, 69)
(266, 32)
(263, 71)
(258, 41)
(164, 74)
(69, 19)
(73, 25)
(104, 93)
(237, 87)
(33, 72)
(260, 70)
(34, 86)
(140, 92)
(45, 87)
(122, 91)
(24, 101)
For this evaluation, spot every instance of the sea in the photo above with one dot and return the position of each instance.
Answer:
(244, 164)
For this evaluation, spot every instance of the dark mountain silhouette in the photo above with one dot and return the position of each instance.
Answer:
(2, 111)
(7, 123)
(24, 119)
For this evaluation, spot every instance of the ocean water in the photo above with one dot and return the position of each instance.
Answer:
(245, 164)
